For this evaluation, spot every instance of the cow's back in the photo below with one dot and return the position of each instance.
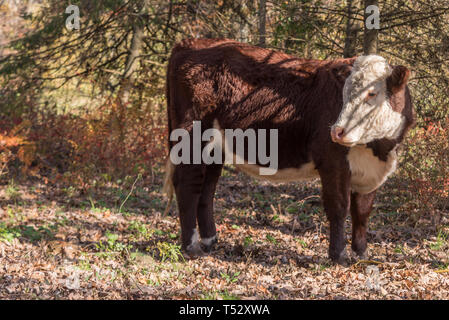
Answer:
(243, 86)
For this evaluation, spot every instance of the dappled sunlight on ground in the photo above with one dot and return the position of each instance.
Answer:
(58, 243)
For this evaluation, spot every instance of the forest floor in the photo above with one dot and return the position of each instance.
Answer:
(56, 243)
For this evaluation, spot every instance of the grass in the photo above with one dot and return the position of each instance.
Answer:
(248, 241)
(169, 252)
(8, 234)
(84, 263)
(441, 241)
(222, 295)
(292, 209)
(399, 249)
(158, 232)
(31, 233)
(271, 239)
(111, 245)
(230, 277)
(303, 243)
(140, 230)
(324, 266)
(12, 191)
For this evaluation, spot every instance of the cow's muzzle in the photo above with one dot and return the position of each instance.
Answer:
(338, 136)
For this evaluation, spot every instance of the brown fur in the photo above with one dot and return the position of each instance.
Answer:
(243, 86)
(168, 188)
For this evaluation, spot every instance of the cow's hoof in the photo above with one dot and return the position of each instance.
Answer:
(340, 258)
(357, 256)
(194, 251)
(341, 262)
(208, 243)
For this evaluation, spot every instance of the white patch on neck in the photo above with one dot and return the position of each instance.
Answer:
(368, 172)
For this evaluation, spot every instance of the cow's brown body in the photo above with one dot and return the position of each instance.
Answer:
(242, 86)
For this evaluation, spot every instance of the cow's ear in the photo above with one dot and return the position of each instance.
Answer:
(398, 78)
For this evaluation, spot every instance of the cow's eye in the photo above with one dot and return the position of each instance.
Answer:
(372, 94)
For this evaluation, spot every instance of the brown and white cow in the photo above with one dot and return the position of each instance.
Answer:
(340, 120)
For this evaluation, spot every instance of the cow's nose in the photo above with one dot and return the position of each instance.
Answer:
(337, 133)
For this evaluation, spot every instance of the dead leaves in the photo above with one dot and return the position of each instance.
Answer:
(14, 145)
(258, 255)
(66, 249)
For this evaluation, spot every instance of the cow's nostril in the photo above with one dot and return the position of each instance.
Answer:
(339, 132)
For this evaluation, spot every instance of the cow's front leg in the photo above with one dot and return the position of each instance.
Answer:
(336, 200)
(361, 206)
(188, 181)
(206, 221)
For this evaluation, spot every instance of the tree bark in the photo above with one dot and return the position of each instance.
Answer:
(134, 52)
(352, 30)
(119, 111)
(244, 28)
(262, 22)
(132, 59)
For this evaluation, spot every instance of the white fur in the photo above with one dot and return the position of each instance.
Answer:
(208, 241)
(306, 172)
(194, 241)
(366, 119)
(368, 172)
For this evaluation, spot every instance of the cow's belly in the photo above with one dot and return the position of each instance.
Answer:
(306, 172)
(368, 172)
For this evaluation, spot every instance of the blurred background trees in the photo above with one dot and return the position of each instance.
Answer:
(80, 104)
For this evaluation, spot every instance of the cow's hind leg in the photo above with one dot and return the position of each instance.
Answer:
(188, 182)
(361, 206)
(205, 215)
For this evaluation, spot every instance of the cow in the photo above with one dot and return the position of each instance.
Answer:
(338, 120)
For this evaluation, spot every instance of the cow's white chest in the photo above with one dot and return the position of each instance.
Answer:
(306, 172)
(368, 172)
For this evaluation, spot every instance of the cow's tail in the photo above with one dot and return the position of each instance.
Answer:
(168, 189)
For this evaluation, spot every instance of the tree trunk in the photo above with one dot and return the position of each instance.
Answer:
(244, 28)
(120, 108)
(132, 59)
(370, 35)
(262, 22)
(352, 30)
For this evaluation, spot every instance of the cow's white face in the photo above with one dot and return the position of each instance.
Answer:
(367, 114)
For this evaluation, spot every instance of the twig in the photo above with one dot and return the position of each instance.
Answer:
(309, 197)
(273, 209)
(367, 261)
(129, 194)
(442, 271)
(293, 225)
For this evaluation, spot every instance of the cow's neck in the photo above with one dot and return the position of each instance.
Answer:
(381, 148)
(371, 165)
